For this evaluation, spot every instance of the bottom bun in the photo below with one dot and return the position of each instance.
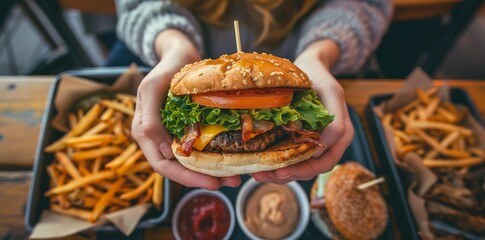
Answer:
(232, 164)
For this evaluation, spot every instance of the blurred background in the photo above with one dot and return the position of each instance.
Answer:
(444, 37)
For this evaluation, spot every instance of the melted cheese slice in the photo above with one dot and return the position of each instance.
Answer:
(207, 133)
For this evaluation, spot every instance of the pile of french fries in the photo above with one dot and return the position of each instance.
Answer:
(98, 168)
(434, 129)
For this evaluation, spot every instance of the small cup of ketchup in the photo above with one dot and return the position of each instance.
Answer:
(202, 214)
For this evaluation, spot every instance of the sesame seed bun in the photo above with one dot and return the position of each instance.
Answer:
(356, 214)
(237, 72)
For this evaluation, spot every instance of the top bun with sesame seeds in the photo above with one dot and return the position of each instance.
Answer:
(243, 113)
(237, 72)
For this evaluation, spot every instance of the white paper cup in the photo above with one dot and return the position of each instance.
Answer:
(300, 194)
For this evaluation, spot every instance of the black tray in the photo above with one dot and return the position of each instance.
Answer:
(36, 201)
(357, 151)
(398, 193)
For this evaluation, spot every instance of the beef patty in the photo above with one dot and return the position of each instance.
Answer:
(231, 141)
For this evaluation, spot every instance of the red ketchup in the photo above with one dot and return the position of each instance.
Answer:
(204, 217)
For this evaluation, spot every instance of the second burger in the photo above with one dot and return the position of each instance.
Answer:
(243, 113)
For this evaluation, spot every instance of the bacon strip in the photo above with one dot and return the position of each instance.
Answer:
(251, 127)
(308, 140)
(301, 135)
(294, 127)
(192, 133)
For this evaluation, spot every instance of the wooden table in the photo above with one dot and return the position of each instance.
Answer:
(22, 101)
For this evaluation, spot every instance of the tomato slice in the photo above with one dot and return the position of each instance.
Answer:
(245, 99)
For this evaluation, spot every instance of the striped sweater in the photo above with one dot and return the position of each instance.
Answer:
(357, 26)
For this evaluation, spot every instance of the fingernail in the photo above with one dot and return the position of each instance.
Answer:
(319, 151)
(264, 179)
(227, 183)
(166, 150)
(286, 177)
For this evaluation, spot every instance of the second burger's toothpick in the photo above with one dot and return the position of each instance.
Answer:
(370, 183)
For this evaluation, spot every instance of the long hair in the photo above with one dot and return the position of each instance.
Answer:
(277, 16)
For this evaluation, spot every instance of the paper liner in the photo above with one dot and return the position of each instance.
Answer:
(52, 225)
(419, 178)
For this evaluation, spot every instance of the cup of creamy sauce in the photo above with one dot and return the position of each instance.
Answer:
(271, 211)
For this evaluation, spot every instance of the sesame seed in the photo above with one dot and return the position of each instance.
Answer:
(291, 69)
(261, 74)
(244, 74)
(269, 81)
(228, 67)
(272, 74)
(255, 79)
(294, 75)
(200, 74)
(244, 82)
(276, 64)
(279, 73)
(280, 78)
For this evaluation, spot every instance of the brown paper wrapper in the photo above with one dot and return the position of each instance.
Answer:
(418, 178)
(71, 89)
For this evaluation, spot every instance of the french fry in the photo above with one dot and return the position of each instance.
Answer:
(157, 198)
(477, 151)
(125, 97)
(441, 126)
(117, 106)
(73, 212)
(81, 182)
(97, 164)
(93, 192)
(68, 165)
(148, 196)
(130, 150)
(107, 114)
(96, 129)
(139, 190)
(89, 202)
(72, 120)
(80, 113)
(444, 144)
(58, 181)
(135, 179)
(99, 152)
(90, 138)
(82, 125)
(129, 162)
(463, 162)
(432, 142)
(103, 202)
(83, 170)
(422, 96)
(140, 167)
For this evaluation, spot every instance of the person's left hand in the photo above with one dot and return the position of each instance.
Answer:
(336, 137)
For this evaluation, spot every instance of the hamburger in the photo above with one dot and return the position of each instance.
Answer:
(243, 113)
(341, 211)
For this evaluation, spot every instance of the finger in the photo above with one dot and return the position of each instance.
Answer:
(263, 176)
(175, 171)
(335, 103)
(308, 169)
(233, 181)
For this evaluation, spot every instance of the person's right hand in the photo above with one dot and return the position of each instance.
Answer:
(175, 51)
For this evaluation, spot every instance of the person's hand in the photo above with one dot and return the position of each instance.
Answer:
(337, 136)
(175, 51)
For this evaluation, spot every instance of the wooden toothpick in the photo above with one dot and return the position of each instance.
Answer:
(238, 36)
(370, 183)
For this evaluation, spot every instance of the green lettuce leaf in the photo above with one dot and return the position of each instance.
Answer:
(180, 111)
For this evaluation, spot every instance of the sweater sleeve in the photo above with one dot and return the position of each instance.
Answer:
(139, 23)
(357, 26)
